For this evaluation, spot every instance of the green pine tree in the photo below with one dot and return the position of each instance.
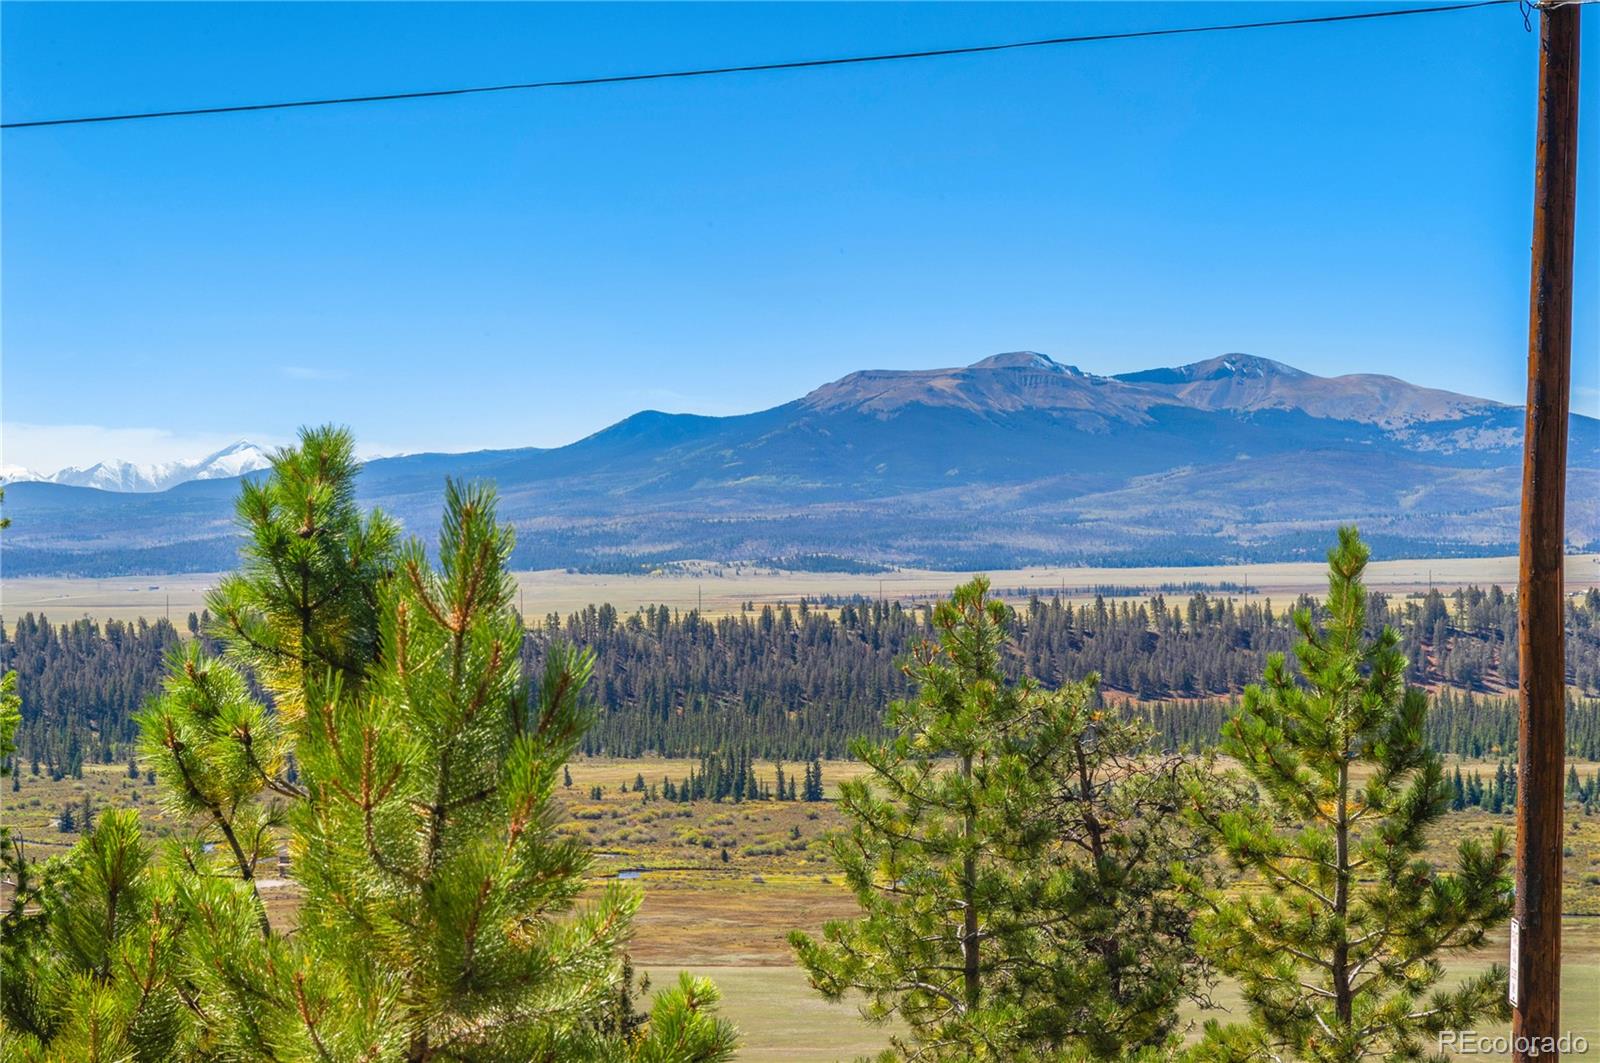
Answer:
(303, 605)
(10, 721)
(13, 861)
(414, 772)
(1011, 850)
(1337, 938)
(90, 969)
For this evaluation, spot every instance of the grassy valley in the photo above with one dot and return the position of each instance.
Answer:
(730, 920)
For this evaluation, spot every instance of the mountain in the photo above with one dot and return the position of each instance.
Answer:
(1027, 380)
(1242, 382)
(1015, 459)
(117, 475)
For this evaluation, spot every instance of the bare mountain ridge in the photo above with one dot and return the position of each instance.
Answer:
(1016, 459)
(1029, 380)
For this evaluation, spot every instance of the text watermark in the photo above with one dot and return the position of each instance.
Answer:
(1473, 1043)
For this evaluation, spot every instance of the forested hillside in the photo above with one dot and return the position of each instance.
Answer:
(81, 684)
(799, 681)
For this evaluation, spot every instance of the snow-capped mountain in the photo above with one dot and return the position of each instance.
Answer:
(118, 475)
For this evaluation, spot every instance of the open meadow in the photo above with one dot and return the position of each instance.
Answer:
(724, 883)
(783, 1019)
(723, 589)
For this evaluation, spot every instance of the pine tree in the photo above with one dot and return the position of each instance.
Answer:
(622, 1021)
(89, 966)
(1011, 850)
(415, 775)
(10, 719)
(1336, 940)
(813, 788)
(303, 605)
(752, 785)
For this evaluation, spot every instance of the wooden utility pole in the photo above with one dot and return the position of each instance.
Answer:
(1535, 990)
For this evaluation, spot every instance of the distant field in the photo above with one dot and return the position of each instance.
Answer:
(724, 589)
(124, 598)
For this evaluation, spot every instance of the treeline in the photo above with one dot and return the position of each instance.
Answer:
(795, 682)
(81, 684)
(789, 683)
(727, 776)
(1497, 793)
(1463, 724)
(798, 681)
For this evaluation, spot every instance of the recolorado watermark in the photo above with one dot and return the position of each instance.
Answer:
(1473, 1043)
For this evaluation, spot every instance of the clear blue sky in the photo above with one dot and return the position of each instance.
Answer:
(523, 269)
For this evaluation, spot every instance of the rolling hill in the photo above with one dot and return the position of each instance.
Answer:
(1015, 459)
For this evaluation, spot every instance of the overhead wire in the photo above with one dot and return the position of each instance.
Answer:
(753, 68)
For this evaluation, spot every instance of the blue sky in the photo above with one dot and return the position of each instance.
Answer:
(524, 268)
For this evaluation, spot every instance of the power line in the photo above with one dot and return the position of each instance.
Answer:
(802, 64)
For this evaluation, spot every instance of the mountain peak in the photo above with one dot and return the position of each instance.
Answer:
(1021, 360)
(1224, 367)
(235, 459)
(1001, 383)
(238, 446)
(1246, 382)
(1235, 366)
(117, 474)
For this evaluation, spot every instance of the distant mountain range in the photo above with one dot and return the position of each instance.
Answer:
(1013, 460)
(233, 460)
